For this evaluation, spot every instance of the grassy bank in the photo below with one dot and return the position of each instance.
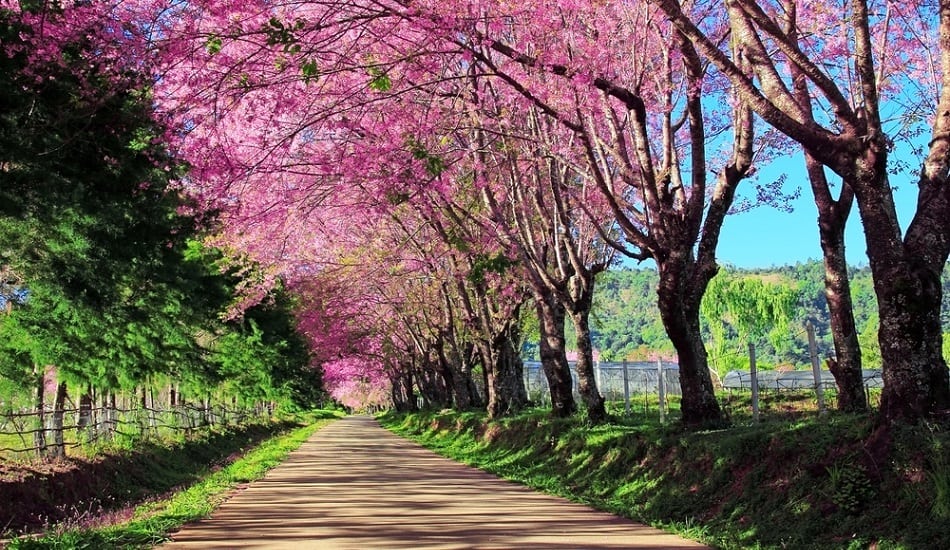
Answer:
(208, 484)
(830, 482)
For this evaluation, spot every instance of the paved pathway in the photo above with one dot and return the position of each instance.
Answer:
(354, 485)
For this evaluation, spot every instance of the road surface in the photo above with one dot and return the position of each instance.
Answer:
(354, 485)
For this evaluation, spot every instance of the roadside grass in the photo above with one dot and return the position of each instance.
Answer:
(150, 523)
(809, 482)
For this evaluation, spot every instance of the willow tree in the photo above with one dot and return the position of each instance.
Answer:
(752, 307)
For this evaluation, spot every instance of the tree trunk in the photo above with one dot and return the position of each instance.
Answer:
(152, 421)
(142, 414)
(433, 382)
(451, 371)
(103, 427)
(832, 219)
(581, 291)
(404, 400)
(910, 335)
(486, 374)
(679, 304)
(59, 412)
(458, 375)
(504, 374)
(205, 404)
(459, 353)
(202, 412)
(467, 366)
(586, 380)
(494, 403)
(443, 383)
(846, 368)
(423, 383)
(408, 391)
(907, 282)
(552, 349)
(84, 422)
(509, 372)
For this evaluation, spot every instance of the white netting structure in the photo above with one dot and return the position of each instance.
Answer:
(792, 380)
(641, 377)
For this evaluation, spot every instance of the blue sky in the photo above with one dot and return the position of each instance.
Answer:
(765, 236)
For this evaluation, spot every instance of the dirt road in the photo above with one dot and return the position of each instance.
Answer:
(354, 485)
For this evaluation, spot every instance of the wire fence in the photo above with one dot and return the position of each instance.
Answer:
(793, 380)
(26, 435)
(654, 382)
(614, 380)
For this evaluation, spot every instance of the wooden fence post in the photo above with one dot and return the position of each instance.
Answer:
(598, 377)
(39, 436)
(57, 424)
(527, 382)
(661, 389)
(111, 415)
(755, 383)
(626, 390)
(815, 367)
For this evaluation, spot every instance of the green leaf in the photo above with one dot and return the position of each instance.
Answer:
(214, 44)
(310, 71)
(141, 140)
(434, 166)
(380, 81)
(483, 264)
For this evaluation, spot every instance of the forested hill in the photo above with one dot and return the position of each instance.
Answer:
(627, 323)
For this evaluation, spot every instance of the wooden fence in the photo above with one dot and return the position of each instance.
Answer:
(50, 434)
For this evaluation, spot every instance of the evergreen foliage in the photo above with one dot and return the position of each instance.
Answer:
(104, 274)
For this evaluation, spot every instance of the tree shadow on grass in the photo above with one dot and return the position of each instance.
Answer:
(80, 491)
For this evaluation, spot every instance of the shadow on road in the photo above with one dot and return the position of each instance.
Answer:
(355, 485)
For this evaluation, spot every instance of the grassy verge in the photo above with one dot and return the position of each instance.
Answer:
(149, 524)
(829, 482)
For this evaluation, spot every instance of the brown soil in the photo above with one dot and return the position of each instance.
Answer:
(84, 492)
(47, 493)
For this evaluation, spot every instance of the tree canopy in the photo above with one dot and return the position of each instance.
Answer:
(110, 282)
(415, 171)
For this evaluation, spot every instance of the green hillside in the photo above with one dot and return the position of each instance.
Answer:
(627, 323)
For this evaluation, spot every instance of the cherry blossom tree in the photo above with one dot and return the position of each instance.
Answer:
(641, 121)
(437, 297)
(298, 117)
(539, 207)
(850, 78)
